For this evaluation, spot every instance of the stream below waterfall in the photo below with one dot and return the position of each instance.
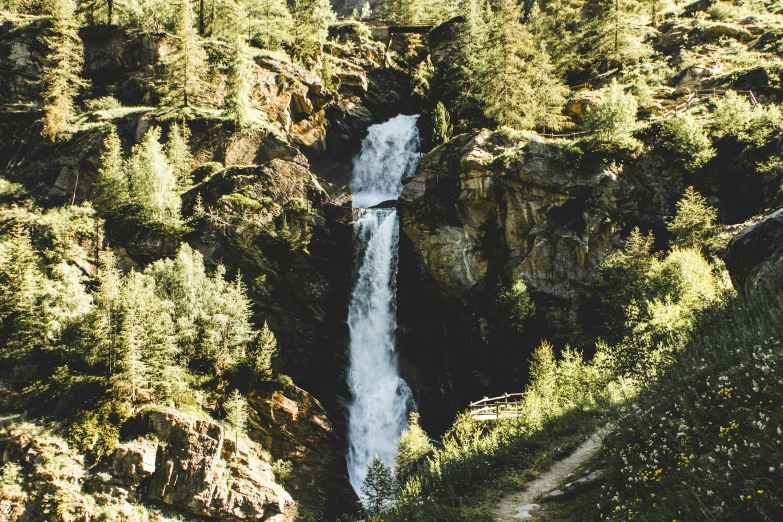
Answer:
(381, 400)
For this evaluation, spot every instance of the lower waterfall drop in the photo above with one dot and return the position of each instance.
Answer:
(377, 415)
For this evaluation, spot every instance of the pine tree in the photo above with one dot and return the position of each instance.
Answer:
(311, 19)
(694, 224)
(366, 11)
(231, 20)
(461, 80)
(184, 85)
(111, 187)
(441, 125)
(178, 154)
(21, 282)
(236, 416)
(403, 12)
(152, 181)
(612, 120)
(616, 33)
(237, 105)
(106, 318)
(61, 78)
(516, 81)
(378, 487)
(273, 22)
(412, 447)
(265, 354)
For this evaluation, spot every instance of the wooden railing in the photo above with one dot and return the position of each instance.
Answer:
(496, 408)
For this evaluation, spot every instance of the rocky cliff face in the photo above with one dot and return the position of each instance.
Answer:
(485, 209)
(755, 255)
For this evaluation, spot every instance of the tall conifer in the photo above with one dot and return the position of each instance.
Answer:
(184, 85)
(61, 78)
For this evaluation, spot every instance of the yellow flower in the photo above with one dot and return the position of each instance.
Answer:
(760, 491)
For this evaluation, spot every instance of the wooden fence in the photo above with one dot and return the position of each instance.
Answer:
(496, 408)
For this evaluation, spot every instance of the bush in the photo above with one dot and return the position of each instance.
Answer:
(515, 305)
(694, 224)
(612, 120)
(732, 113)
(721, 11)
(685, 137)
(105, 103)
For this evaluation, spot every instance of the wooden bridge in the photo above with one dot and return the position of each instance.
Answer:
(383, 29)
(506, 406)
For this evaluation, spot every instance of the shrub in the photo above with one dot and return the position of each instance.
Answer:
(732, 113)
(516, 305)
(685, 137)
(694, 224)
(721, 11)
(412, 447)
(612, 120)
(104, 103)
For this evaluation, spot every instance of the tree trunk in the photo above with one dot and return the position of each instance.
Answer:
(201, 17)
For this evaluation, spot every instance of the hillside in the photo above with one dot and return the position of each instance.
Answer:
(256, 257)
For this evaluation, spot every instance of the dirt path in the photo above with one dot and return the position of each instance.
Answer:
(521, 506)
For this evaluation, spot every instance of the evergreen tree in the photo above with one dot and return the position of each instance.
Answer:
(106, 318)
(612, 120)
(366, 11)
(694, 224)
(21, 280)
(273, 22)
(311, 19)
(231, 20)
(412, 447)
(152, 181)
(111, 187)
(184, 85)
(403, 12)
(378, 487)
(441, 125)
(147, 370)
(265, 354)
(461, 80)
(178, 154)
(237, 105)
(616, 33)
(236, 415)
(61, 78)
(516, 83)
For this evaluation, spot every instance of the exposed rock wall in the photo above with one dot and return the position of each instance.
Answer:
(755, 255)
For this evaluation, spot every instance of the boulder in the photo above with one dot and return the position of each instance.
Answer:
(754, 257)
(716, 31)
(577, 104)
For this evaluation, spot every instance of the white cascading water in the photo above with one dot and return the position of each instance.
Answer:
(378, 412)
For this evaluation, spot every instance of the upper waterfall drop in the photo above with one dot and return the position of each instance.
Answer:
(390, 152)
(377, 415)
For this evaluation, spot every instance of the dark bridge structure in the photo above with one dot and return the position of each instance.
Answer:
(383, 29)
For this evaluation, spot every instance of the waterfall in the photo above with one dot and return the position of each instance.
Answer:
(377, 414)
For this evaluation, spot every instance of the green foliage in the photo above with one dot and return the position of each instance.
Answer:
(265, 353)
(441, 125)
(735, 116)
(516, 83)
(612, 120)
(617, 281)
(412, 448)
(184, 86)
(282, 469)
(111, 188)
(694, 224)
(516, 305)
(104, 103)
(378, 487)
(403, 12)
(178, 154)
(685, 137)
(152, 181)
(703, 441)
(61, 78)
(311, 19)
(615, 33)
(237, 105)
(274, 24)
(236, 414)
